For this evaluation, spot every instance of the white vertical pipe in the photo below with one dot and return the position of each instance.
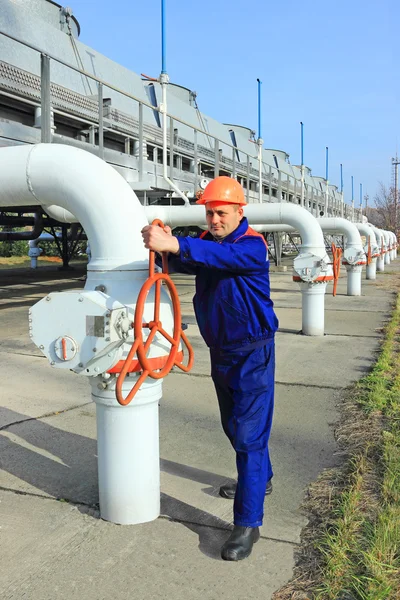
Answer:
(128, 453)
(371, 269)
(354, 280)
(313, 319)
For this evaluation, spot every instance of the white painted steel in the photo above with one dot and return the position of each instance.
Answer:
(89, 189)
(128, 453)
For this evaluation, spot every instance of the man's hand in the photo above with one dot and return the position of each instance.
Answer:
(160, 240)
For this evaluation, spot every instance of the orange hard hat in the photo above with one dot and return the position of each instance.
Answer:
(223, 189)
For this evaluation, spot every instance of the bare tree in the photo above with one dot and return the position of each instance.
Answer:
(385, 212)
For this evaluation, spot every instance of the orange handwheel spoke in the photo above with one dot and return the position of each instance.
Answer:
(157, 300)
(151, 337)
(168, 337)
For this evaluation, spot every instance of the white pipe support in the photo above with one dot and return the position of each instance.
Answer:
(371, 269)
(313, 307)
(393, 245)
(354, 273)
(128, 452)
(387, 245)
(164, 80)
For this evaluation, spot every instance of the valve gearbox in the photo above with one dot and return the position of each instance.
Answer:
(81, 331)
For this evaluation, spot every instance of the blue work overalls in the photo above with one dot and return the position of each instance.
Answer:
(236, 319)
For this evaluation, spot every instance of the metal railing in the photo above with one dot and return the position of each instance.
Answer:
(276, 184)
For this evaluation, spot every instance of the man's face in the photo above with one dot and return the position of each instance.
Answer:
(222, 218)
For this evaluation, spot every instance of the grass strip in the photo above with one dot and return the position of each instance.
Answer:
(361, 551)
(351, 547)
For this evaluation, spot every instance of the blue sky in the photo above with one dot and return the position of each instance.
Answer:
(329, 64)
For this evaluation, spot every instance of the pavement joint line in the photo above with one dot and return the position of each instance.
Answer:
(21, 353)
(289, 383)
(196, 524)
(43, 497)
(276, 305)
(310, 385)
(161, 517)
(370, 337)
(52, 414)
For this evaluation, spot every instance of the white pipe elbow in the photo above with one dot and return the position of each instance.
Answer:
(87, 187)
(354, 252)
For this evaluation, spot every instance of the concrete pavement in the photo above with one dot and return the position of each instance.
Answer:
(53, 545)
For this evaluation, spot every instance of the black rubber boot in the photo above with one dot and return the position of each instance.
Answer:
(240, 543)
(229, 490)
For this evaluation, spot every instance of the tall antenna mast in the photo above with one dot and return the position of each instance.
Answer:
(395, 163)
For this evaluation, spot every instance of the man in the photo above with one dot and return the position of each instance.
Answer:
(236, 319)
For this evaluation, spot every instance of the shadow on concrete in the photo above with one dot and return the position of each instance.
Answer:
(64, 467)
(212, 531)
(293, 331)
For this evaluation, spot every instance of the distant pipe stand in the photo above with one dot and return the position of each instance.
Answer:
(371, 269)
(354, 273)
(313, 306)
(380, 264)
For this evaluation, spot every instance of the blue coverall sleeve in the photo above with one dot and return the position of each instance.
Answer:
(246, 255)
(175, 265)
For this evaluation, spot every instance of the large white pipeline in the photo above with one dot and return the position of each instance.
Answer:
(370, 236)
(312, 269)
(354, 257)
(109, 211)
